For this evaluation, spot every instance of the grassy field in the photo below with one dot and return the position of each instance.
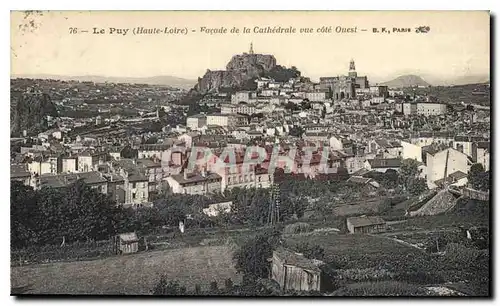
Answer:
(359, 251)
(128, 274)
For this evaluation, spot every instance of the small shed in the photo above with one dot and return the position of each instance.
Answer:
(127, 243)
(366, 224)
(293, 271)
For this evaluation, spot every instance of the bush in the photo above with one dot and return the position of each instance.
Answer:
(164, 287)
(420, 277)
(309, 250)
(460, 255)
(296, 228)
(363, 275)
(384, 288)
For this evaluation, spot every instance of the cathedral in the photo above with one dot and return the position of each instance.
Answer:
(344, 86)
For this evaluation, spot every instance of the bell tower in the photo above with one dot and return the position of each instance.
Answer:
(251, 49)
(352, 70)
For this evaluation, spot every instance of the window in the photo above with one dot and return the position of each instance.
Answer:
(133, 195)
(134, 185)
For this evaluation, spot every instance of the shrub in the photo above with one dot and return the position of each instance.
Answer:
(460, 255)
(296, 228)
(384, 288)
(164, 287)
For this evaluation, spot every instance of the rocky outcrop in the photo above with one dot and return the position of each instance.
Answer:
(251, 63)
(239, 71)
(29, 112)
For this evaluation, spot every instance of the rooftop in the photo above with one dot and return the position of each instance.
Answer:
(195, 178)
(297, 259)
(385, 163)
(62, 180)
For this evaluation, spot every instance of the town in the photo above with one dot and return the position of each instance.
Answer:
(339, 187)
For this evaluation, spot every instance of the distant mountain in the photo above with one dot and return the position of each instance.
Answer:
(406, 81)
(459, 80)
(155, 80)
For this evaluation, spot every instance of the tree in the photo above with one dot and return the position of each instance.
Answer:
(164, 287)
(282, 74)
(478, 178)
(292, 106)
(151, 140)
(409, 177)
(305, 104)
(23, 210)
(296, 131)
(417, 186)
(52, 215)
(251, 258)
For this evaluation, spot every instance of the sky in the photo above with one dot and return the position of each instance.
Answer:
(457, 44)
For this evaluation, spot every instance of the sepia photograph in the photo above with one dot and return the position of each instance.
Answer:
(286, 154)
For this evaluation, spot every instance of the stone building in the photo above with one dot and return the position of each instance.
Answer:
(345, 86)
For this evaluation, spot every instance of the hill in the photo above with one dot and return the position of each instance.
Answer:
(29, 111)
(406, 81)
(154, 80)
(241, 71)
(458, 80)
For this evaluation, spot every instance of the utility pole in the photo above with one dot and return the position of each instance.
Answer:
(274, 205)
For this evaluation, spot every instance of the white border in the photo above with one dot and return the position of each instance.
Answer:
(491, 5)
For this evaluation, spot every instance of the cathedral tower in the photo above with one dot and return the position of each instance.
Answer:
(352, 70)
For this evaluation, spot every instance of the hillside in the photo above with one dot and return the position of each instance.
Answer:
(406, 81)
(164, 80)
(29, 111)
(458, 80)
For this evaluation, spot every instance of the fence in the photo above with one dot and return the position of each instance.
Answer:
(54, 253)
(476, 194)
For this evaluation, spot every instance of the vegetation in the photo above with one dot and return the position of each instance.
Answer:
(409, 177)
(478, 178)
(296, 228)
(296, 131)
(165, 287)
(48, 216)
(311, 251)
(29, 112)
(283, 74)
(383, 288)
(252, 258)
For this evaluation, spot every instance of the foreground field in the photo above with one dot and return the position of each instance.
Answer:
(128, 274)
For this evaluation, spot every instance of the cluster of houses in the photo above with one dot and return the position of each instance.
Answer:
(133, 180)
(313, 128)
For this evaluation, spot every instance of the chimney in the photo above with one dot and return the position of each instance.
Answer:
(185, 175)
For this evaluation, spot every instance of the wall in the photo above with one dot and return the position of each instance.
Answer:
(436, 164)
(69, 165)
(411, 151)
